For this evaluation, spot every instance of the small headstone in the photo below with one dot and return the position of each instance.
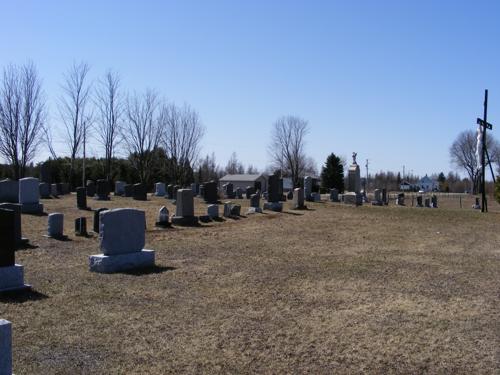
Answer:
(170, 191)
(9, 191)
(90, 188)
(5, 347)
(239, 193)
(122, 239)
(227, 209)
(228, 190)
(316, 197)
(194, 188)
(81, 226)
(184, 208)
(102, 190)
(334, 195)
(44, 189)
(419, 201)
(11, 274)
(53, 190)
(298, 199)
(353, 198)
(160, 189)
(81, 198)
(434, 201)
(213, 211)
(120, 188)
(255, 200)
(29, 196)
(201, 190)
(163, 217)
(176, 187)
(128, 190)
(427, 202)
(400, 200)
(55, 225)
(377, 198)
(140, 192)
(235, 210)
(250, 190)
(16, 207)
(289, 195)
(97, 212)
(210, 192)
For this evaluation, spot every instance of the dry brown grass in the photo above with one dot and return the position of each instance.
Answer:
(334, 289)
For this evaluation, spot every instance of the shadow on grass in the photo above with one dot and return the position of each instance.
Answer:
(21, 296)
(148, 270)
(292, 213)
(26, 246)
(37, 214)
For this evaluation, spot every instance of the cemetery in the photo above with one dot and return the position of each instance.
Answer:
(408, 282)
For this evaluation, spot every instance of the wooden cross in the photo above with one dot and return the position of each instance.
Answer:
(485, 125)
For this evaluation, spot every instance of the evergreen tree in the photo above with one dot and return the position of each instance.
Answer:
(332, 173)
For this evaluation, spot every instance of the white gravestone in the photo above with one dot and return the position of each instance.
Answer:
(29, 195)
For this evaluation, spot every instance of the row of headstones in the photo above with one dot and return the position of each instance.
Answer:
(10, 189)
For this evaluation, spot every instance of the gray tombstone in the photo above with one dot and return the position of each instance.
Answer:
(239, 193)
(140, 192)
(400, 201)
(29, 195)
(170, 191)
(122, 238)
(255, 200)
(160, 189)
(120, 188)
(55, 225)
(308, 181)
(54, 191)
(9, 191)
(44, 189)
(235, 210)
(163, 217)
(201, 190)
(377, 198)
(298, 199)
(427, 202)
(184, 208)
(227, 209)
(210, 192)
(16, 207)
(213, 211)
(81, 226)
(5, 347)
(81, 198)
(419, 201)
(249, 191)
(194, 188)
(334, 195)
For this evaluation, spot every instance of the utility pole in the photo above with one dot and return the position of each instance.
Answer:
(366, 165)
(483, 123)
(403, 173)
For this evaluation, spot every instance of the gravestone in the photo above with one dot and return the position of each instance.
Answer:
(16, 207)
(249, 191)
(163, 217)
(228, 190)
(59, 189)
(289, 195)
(227, 209)
(120, 188)
(213, 211)
(102, 190)
(354, 177)
(384, 197)
(55, 227)
(210, 192)
(235, 210)
(44, 189)
(308, 182)
(122, 238)
(400, 200)
(477, 205)
(81, 198)
(5, 347)
(298, 199)
(90, 188)
(427, 202)
(419, 201)
(239, 193)
(352, 198)
(334, 195)
(65, 188)
(170, 191)
(184, 208)
(81, 226)
(45, 173)
(315, 197)
(11, 274)
(255, 200)
(96, 218)
(194, 188)
(140, 192)
(176, 187)
(202, 191)
(9, 191)
(273, 194)
(377, 198)
(434, 201)
(29, 196)
(160, 189)
(128, 190)
(53, 190)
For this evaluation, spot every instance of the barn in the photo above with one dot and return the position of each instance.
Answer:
(244, 180)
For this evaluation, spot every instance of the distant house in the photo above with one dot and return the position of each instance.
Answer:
(427, 184)
(405, 186)
(244, 180)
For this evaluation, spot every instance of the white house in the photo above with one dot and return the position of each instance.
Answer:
(405, 186)
(244, 180)
(427, 184)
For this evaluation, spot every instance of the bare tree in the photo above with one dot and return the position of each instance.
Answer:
(234, 166)
(208, 169)
(183, 132)
(109, 106)
(252, 170)
(142, 132)
(22, 116)
(463, 155)
(74, 111)
(287, 146)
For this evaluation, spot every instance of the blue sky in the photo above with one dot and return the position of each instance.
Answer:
(395, 81)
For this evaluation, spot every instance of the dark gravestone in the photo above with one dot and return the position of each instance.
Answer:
(384, 196)
(81, 226)
(258, 186)
(44, 188)
(128, 190)
(65, 188)
(96, 218)
(9, 191)
(60, 190)
(210, 192)
(81, 198)
(45, 175)
(289, 195)
(16, 208)
(140, 192)
(255, 200)
(273, 194)
(7, 238)
(90, 188)
(176, 187)
(419, 201)
(250, 190)
(228, 190)
(170, 192)
(202, 190)
(53, 190)
(102, 190)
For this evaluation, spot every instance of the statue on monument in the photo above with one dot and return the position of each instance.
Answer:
(354, 154)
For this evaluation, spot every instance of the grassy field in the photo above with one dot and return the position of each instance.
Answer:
(331, 289)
